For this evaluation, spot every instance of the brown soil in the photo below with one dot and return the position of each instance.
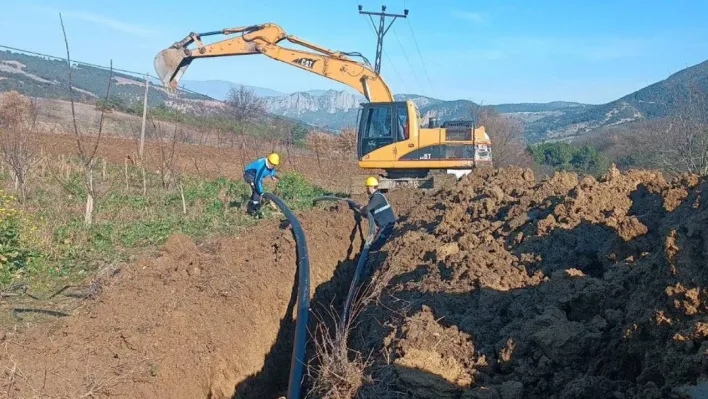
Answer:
(199, 320)
(500, 288)
(572, 288)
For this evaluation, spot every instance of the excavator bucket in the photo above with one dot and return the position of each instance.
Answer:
(170, 65)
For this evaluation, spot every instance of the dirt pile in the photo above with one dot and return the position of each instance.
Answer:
(502, 288)
(196, 321)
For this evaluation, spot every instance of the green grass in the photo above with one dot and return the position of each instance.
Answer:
(62, 249)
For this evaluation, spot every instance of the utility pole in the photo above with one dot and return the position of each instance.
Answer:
(382, 29)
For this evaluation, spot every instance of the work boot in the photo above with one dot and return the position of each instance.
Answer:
(252, 208)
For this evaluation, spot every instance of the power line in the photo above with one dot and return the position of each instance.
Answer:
(400, 77)
(410, 65)
(393, 66)
(382, 29)
(125, 71)
(422, 61)
(405, 55)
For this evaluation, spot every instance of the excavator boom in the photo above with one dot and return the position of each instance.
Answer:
(171, 63)
(389, 133)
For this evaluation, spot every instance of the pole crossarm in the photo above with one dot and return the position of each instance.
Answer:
(381, 30)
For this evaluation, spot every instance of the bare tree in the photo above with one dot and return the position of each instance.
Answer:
(506, 134)
(280, 134)
(168, 160)
(18, 118)
(681, 140)
(320, 143)
(346, 143)
(86, 146)
(244, 106)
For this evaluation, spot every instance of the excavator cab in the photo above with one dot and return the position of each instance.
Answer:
(381, 124)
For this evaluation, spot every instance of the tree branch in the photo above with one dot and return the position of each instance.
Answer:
(103, 112)
(71, 91)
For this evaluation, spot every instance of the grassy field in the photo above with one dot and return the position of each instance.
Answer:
(45, 242)
(187, 181)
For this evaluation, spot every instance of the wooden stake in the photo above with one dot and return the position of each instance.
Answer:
(88, 216)
(184, 202)
(142, 168)
(125, 169)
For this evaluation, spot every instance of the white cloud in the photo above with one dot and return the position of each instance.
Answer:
(474, 17)
(107, 22)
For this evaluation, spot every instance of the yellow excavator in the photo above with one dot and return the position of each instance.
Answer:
(389, 132)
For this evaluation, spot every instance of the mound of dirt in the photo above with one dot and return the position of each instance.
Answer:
(502, 288)
(209, 320)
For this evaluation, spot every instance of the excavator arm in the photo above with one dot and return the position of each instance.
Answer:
(171, 63)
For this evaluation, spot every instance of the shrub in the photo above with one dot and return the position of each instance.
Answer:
(16, 233)
(564, 156)
(297, 191)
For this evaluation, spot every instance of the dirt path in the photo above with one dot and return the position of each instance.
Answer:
(193, 322)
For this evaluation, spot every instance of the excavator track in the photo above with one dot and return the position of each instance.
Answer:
(433, 181)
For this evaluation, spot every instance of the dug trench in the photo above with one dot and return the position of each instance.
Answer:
(498, 287)
(207, 320)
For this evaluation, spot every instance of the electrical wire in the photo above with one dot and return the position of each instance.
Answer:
(420, 54)
(405, 55)
(422, 61)
(415, 76)
(393, 66)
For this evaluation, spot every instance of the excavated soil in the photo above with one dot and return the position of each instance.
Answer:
(212, 319)
(504, 288)
(497, 287)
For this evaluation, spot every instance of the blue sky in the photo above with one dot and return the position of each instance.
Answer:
(483, 50)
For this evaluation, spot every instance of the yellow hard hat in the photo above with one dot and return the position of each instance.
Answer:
(274, 158)
(371, 181)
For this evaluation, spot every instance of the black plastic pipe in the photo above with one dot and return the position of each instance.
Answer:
(297, 361)
(362, 257)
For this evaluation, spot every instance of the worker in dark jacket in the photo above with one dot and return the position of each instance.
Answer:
(254, 173)
(381, 210)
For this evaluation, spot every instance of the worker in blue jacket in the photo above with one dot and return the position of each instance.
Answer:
(381, 210)
(254, 173)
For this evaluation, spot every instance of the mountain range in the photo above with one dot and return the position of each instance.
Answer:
(558, 120)
(336, 109)
(659, 100)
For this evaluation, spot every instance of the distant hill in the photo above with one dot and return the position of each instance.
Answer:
(537, 107)
(219, 89)
(335, 109)
(328, 109)
(316, 92)
(48, 78)
(658, 100)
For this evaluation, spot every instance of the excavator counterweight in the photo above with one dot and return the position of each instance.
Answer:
(389, 132)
